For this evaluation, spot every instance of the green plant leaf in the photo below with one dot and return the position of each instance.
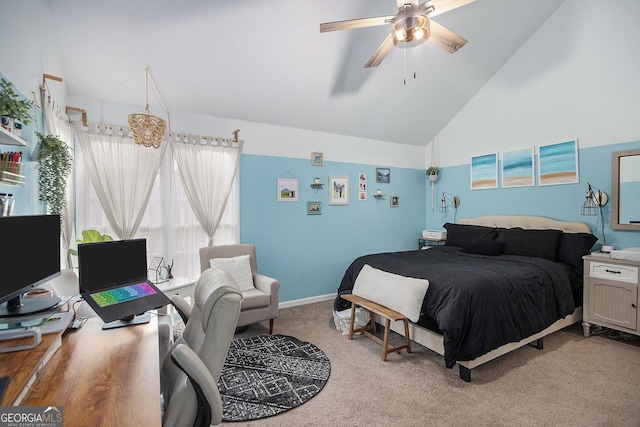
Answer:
(91, 236)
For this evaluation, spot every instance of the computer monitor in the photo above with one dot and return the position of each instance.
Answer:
(113, 281)
(29, 257)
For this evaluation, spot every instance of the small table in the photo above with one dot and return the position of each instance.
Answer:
(180, 286)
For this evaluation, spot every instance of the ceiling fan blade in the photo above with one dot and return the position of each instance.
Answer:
(355, 23)
(381, 52)
(442, 6)
(445, 38)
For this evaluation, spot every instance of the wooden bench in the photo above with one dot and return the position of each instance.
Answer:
(383, 311)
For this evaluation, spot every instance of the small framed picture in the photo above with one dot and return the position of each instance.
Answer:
(338, 190)
(317, 158)
(314, 208)
(287, 189)
(394, 201)
(383, 175)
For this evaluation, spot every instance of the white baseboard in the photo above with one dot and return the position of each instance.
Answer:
(305, 301)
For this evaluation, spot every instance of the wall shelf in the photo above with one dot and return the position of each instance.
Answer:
(8, 138)
(8, 178)
(317, 186)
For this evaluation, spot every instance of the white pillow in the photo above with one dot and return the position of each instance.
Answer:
(237, 267)
(399, 293)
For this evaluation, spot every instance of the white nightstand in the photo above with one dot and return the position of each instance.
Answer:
(610, 295)
(426, 242)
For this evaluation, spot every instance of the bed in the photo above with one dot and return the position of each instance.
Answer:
(499, 283)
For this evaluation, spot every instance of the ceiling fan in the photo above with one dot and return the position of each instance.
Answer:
(412, 26)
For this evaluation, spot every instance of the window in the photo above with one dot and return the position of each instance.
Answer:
(169, 225)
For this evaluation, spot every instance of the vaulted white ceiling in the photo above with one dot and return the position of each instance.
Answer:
(266, 61)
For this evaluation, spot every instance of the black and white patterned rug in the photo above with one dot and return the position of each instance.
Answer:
(266, 375)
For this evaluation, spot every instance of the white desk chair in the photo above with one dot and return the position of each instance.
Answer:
(190, 372)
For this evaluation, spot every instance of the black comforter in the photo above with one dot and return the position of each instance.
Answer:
(477, 302)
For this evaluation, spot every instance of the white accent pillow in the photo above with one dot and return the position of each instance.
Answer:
(237, 267)
(399, 293)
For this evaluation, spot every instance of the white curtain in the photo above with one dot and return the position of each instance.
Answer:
(56, 123)
(122, 174)
(207, 169)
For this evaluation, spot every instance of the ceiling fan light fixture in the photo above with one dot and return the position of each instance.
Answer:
(411, 30)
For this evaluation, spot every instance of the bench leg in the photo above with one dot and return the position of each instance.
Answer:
(406, 334)
(385, 345)
(351, 322)
(372, 320)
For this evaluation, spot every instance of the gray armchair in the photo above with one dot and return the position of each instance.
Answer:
(191, 370)
(258, 304)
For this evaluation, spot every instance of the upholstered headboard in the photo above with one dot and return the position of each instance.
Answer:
(524, 221)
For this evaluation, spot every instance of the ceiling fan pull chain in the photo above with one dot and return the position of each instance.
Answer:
(404, 64)
(415, 64)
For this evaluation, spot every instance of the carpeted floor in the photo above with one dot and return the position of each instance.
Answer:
(573, 381)
(266, 375)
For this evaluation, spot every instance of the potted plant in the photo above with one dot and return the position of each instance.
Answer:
(432, 173)
(93, 236)
(54, 165)
(15, 111)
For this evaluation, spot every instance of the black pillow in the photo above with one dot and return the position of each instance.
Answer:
(465, 236)
(485, 247)
(529, 242)
(573, 246)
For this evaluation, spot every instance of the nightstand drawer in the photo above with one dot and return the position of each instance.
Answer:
(619, 273)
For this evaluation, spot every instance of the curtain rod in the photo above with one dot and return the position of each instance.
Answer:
(79, 110)
(169, 135)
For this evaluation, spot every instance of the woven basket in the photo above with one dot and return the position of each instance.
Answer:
(147, 129)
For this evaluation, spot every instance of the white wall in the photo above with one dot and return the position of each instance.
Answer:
(268, 140)
(27, 49)
(577, 77)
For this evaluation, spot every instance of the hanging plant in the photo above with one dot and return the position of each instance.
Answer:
(54, 163)
(432, 173)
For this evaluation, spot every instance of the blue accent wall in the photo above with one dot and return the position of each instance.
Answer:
(309, 253)
(561, 202)
(26, 196)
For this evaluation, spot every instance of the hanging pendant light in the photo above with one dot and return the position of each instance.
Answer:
(147, 129)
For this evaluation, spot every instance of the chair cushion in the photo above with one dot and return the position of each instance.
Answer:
(254, 298)
(238, 267)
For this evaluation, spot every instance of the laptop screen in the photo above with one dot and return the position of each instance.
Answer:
(106, 264)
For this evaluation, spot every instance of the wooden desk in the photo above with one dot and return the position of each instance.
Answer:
(101, 378)
(22, 366)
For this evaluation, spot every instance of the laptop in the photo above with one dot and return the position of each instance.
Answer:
(113, 281)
